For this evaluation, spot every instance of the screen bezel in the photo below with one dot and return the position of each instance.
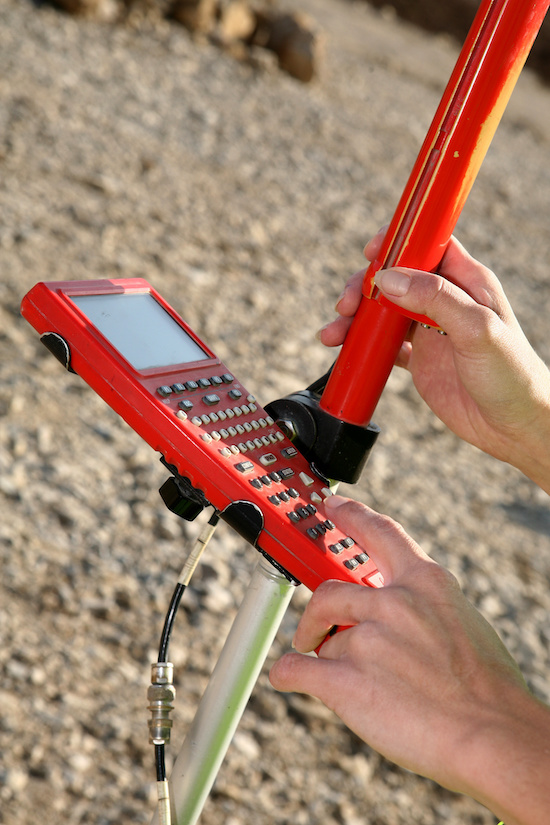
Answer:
(134, 286)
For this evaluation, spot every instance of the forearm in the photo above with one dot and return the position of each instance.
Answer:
(531, 453)
(506, 763)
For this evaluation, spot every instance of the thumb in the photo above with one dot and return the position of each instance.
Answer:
(428, 294)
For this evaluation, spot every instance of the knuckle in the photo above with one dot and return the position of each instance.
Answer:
(484, 328)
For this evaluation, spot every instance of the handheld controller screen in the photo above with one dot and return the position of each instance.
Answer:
(140, 329)
(133, 349)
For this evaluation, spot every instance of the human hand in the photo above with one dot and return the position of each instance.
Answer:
(483, 379)
(420, 676)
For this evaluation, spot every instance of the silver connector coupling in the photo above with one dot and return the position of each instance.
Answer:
(161, 695)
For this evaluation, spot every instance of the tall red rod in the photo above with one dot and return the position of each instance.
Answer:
(468, 115)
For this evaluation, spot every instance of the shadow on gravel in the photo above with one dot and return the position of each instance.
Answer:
(534, 516)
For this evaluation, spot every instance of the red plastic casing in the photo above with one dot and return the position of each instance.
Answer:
(207, 451)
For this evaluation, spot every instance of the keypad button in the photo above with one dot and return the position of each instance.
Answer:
(265, 481)
(225, 451)
(205, 419)
(221, 415)
(294, 517)
(289, 452)
(215, 380)
(307, 480)
(336, 548)
(274, 500)
(362, 558)
(286, 472)
(284, 496)
(256, 483)
(196, 421)
(185, 405)
(351, 564)
(235, 393)
(211, 400)
(329, 524)
(267, 459)
(178, 388)
(293, 492)
(203, 382)
(227, 378)
(312, 532)
(181, 415)
(303, 512)
(191, 385)
(165, 390)
(274, 476)
(245, 467)
(348, 542)
(311, 509)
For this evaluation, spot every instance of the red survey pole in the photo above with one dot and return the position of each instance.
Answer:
(470, 110)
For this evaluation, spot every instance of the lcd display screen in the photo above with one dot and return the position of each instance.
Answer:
(140, 329)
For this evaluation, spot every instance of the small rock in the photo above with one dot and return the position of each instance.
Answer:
(295, 41)
(196, 15)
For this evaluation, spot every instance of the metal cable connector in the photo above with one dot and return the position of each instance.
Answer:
(161, 695)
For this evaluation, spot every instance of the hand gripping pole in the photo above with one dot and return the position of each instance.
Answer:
(472, 105)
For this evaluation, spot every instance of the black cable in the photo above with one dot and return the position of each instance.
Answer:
(160, 763)
(163, 651)
(169, 621)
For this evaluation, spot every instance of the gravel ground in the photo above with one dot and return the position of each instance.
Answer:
(245, 198)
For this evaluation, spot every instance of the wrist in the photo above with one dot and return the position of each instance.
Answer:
(531, 454)
(505, 757)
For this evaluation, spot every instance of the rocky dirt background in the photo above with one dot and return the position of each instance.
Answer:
(245, 197)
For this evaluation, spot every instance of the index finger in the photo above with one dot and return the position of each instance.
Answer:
(390, 547)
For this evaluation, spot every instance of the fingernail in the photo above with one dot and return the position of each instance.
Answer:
(392, 282)
(333, 502)
(339, 299)
(320, 331)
